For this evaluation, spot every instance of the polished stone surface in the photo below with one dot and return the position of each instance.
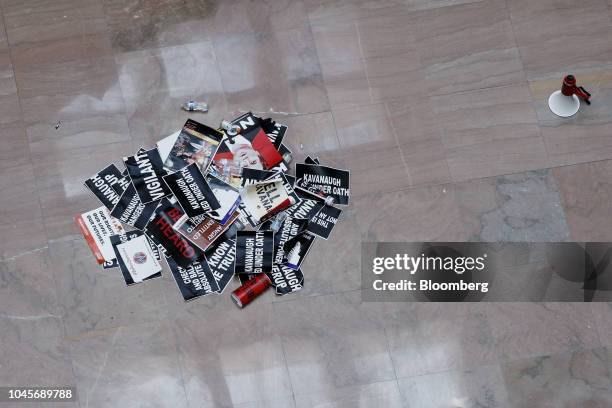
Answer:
(439, 110)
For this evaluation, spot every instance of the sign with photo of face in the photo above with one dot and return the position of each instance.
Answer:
(251, 146)
(196, 143)
(254, 252)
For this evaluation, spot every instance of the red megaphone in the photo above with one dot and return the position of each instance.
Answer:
(569, 88)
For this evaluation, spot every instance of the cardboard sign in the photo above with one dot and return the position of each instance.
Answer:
(296, 249)
(251, 146)
(310, 204)
(291, 227)
(204, 232)
(221, 259)
(192, 191)
(288, 182)
(254, 176)
(146, 172)
(122, 184)
(97, 226)
(196, 143)
(324, 221)
(195, 280)
(110, 264)
(264, 200)
(310, 160)
(228, 198)
(274, 130)
(101, 185)
(286, 280)
(131, 211)
(165, 145)
(254, 252)
(285, 153)
(160, 230)
(136, 258)
(325, 181)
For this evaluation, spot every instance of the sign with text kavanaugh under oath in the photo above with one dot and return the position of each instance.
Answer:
(323, 180)
(254, 251)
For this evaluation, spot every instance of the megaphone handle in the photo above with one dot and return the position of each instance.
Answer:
(582, 93)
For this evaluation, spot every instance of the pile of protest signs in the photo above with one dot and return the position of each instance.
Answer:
(214, 204)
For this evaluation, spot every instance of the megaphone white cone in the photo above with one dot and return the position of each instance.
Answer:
(564, 106)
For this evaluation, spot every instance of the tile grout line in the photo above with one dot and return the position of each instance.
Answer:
(282, 342)
(401, 151)
(532, 101)
(178, 359)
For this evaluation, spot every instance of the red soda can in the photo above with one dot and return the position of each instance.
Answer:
(251, 289)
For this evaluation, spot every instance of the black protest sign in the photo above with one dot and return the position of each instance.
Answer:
(111, 264)
(101, 185)
(290, 228)
(160, 230)
(146, 171)
(325, 181)
(123, 182)
(310, 204)
(131, 211)
(324, 221)
(310, 160)
(254, 251)
(254, 176)
(284, 164)
(194, 280)
(288, 182)
(117, 241)
(221, 257)
(203, 231)
(251, 146)
(296, 249)
(192, 191)
(274, 130)
(286, 280)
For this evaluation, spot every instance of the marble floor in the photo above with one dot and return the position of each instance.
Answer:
(438, 108)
